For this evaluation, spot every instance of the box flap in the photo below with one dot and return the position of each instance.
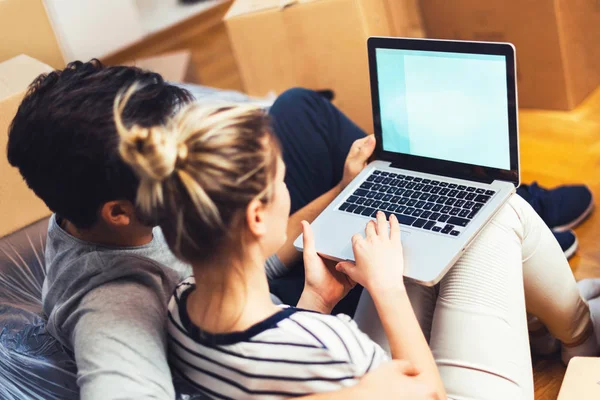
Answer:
(244, 7)
(18, 72)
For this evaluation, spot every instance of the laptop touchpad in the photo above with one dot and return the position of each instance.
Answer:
(348, 253)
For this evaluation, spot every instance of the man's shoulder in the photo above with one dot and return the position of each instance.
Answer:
(95, 268)
(73, 270)
(68, 256)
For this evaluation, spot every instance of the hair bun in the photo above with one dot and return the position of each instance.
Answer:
(151, 152)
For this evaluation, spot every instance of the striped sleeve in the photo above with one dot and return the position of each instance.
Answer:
(345, 341)
(372, 353)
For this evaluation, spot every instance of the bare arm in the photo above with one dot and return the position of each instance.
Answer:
(379, 268)
(404, 333)
(357, 158)
(393, 380)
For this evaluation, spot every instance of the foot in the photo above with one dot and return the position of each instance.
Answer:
(568, 242)
(590, 292)
(561, 208)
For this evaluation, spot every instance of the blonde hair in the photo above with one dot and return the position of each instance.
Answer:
(199, 171)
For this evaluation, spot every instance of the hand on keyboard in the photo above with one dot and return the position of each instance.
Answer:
(379, 257)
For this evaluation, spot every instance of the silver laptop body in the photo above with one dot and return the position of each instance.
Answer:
(447, 152)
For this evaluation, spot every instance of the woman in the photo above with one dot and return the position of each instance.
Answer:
(213, 179)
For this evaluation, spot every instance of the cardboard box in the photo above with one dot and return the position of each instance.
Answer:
(176, 66)
(558, 55)
(406, 18)
(582, 380)
(19, 206)
(26, 29)
(317, 44)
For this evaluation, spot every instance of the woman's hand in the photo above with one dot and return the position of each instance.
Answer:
(357, 159)
(379, 257)
(324, 287)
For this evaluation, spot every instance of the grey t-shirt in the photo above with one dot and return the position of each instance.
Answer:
(108, 305)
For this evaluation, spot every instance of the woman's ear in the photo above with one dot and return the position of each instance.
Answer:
(118, 213)
(255, 218)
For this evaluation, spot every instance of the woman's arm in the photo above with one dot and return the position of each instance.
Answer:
(379, 268)
(393, 380)
(356, 161)
(404, 333)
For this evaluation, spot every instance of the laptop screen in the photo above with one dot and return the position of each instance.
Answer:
(446, 106)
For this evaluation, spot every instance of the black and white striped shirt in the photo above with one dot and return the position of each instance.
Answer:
(292, 353)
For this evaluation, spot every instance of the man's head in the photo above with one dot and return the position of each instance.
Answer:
(64, 141)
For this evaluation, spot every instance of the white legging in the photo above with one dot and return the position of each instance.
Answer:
(475, 319)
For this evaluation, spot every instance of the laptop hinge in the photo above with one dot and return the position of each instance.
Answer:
(454, 175)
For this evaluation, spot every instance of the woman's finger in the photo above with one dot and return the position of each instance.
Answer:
(370, 229)
(394, 228)
(382, 229)
(344, 267)
(308, 238)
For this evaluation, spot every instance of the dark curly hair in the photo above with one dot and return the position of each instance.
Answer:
(64, 141)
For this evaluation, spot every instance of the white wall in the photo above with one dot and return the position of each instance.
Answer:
(94, 28)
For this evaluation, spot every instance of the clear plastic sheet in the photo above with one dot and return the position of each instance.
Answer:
(33, 365)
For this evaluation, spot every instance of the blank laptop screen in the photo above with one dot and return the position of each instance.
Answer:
(447, 106)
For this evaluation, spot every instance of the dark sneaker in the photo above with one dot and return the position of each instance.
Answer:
(568, 242)
(562, 208)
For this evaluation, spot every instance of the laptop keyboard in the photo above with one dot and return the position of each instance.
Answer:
(433, 205)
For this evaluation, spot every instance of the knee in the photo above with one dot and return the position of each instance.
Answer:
(510, 216)
(295, 98)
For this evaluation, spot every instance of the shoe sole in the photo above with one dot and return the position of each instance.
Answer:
(578, 220)
(570, 252)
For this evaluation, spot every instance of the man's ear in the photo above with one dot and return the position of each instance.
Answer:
(118, 212)
(255, 218)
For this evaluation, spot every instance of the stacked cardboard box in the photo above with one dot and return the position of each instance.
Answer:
(557, 41)
(318, 44)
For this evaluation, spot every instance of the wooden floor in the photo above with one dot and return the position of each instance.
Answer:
(560, 148)
(556, 147)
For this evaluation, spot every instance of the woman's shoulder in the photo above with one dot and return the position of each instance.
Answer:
(323, 318)
(320, 328)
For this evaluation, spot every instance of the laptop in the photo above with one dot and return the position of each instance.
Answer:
(447, 151)
(582, 380)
